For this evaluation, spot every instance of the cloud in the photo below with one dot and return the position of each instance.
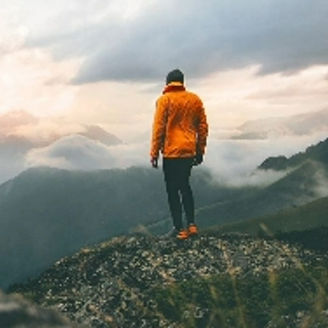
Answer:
(76, 152)
(321, 177)
(235, 162)
(232, 162)
(72, 152)
(301, 124)
(234, 97)
(60, 143)
(27, 140)
(28, 81)
(11, 120)
(199, 37)
(22, 127)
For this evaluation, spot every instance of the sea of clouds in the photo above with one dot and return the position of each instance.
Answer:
(32, 142)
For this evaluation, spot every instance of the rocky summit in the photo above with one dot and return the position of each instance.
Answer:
(15, 312)
(143, 281)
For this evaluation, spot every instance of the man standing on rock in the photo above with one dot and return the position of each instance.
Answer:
(179, 132)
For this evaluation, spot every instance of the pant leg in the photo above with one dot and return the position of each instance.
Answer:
(186, 191)
(177, 173)
(172, 189)
(174, 203)
(188, 203)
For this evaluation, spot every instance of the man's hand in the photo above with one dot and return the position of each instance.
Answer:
(154, 162)
(198, 159)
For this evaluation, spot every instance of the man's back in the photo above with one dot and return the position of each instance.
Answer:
(182, 113)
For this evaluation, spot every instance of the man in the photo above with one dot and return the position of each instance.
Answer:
(179, 132)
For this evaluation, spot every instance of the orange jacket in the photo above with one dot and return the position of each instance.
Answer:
(180, 128)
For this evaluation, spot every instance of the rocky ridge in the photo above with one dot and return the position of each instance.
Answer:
(15, 312)
(113, 284)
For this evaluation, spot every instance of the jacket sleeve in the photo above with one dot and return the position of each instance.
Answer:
(159, 126)
(202, 130)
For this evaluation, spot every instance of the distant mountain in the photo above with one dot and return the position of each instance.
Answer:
(295, 125)
(46, 213)
(317, 153)
(305, 180)
(19, 143)
(296, 188)
(213, 280)
(49, 213)
(95, 132)
(17, 125)
(22, 133)
(299, 186)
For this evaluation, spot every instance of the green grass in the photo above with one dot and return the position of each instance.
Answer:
(252, 301)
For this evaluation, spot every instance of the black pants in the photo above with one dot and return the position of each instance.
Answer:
(177, 173)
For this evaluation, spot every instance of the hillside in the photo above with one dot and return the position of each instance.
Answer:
(47, 213)
(317, 153)
(306, 217)
(302, 185)
(214, 280)
(305, 180)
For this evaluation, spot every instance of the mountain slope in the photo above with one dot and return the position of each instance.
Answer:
(46, 213)
(211, 281)
(49, 213)
(310, 216)
(305, 180)
(318, 152)
(297, 188)
(95, 132)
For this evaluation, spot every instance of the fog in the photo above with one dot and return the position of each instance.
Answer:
(232, 162)
(63, 144)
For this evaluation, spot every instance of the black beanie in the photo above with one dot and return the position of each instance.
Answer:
(174, 76)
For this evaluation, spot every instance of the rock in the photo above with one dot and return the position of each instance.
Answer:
(111, 284)
(16, 312)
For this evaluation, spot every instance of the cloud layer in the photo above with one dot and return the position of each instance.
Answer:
(72, 152)
(295, 125)
(59, 143)
(200, 37)
(233, 162)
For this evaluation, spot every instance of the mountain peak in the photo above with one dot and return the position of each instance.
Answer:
(119, 283)
(318, 152)
(97, 133)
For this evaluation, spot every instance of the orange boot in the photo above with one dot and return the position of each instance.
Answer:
(182, 234)
(192, 229)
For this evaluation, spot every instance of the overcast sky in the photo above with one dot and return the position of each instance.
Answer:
(58, 55)
(104, 62)
(142, 40)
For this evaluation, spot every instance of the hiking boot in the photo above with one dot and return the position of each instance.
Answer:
(182, 234)
(192, 229)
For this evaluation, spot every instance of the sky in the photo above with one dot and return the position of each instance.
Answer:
(68, 64)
